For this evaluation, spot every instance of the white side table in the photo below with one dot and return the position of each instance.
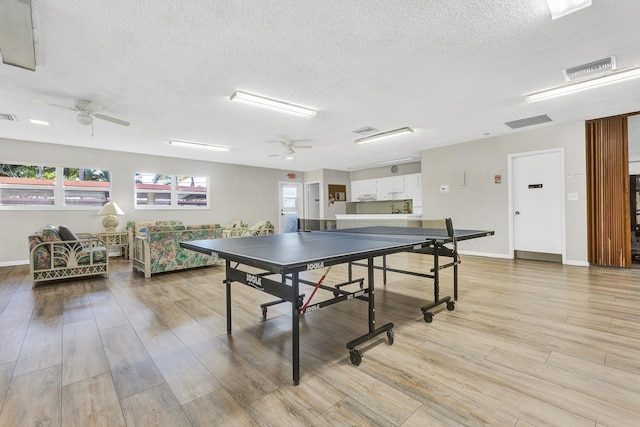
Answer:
(117, 239)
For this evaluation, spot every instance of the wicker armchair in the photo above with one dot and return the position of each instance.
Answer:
(57, 253)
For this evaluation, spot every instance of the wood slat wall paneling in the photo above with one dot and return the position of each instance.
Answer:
(608, 192)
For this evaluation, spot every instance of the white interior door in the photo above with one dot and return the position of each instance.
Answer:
(290, 206)
(313, 200)
(537, 195)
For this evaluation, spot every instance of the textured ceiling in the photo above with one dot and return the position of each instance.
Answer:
(453, 70)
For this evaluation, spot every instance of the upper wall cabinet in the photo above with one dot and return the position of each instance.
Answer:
(389, 188)
(364, 189)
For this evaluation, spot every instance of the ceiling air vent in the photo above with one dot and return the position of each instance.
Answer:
(365, 131)
(591, 69)
(529, 121)
(9, 117)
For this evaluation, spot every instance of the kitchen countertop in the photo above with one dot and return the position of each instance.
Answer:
(378, 216)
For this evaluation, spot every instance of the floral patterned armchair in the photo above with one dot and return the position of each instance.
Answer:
(57, 253)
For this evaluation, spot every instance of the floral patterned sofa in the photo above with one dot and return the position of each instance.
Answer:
(58, 253)
(155, 246)
(238, 228)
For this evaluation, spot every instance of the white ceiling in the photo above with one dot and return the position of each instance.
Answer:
(453, 70)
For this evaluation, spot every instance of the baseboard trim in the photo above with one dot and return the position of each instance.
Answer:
(13, 263)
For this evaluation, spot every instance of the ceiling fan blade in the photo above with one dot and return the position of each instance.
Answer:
(111, 119)
(54, 105)
(92, 107)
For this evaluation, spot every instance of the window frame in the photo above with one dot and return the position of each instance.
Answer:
(174, 191)
(59, 186)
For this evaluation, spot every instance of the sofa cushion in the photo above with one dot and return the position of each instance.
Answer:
(170, 223)
(166, 227)
(41, 255)
(202, 226)
(49, 233)
(66, 234)
(141, 227)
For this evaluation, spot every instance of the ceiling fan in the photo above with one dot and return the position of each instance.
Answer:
(87, 112)
(289, 145)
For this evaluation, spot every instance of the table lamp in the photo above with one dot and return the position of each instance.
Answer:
(110, 220)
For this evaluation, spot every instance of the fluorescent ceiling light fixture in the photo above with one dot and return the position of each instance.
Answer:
(383, 135)
(607, 79)
(560, 8)
(194, 144)
(39, 122)
(272, 104)
(404, 159)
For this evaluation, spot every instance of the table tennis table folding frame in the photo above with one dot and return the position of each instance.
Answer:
(286, 286)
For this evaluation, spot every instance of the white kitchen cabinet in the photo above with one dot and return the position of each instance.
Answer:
(363, 189)
(413, 188)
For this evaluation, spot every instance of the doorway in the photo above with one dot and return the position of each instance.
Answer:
(537, 205)
(290, 206)
(634, 205)
(312, 200)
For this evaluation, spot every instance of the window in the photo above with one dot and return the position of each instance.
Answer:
(24, 186)
(162, 191)
(86, 187)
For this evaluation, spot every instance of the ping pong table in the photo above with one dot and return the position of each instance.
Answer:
(281, 258)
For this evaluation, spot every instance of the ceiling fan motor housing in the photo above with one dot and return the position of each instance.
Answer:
(84, 118)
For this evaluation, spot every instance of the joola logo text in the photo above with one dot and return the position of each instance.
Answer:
(315, 265)
(254, 281)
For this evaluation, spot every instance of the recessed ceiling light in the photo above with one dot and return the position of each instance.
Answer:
(383, 135)
(39, 122)
(272, 104)
(194, 144)
(290, 157)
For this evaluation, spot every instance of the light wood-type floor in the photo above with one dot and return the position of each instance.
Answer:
(529, 344)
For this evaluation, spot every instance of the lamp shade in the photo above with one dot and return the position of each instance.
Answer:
(110, 220)
(110, 208)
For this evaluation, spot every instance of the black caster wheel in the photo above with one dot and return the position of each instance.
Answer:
(336, 293)
(355, 356)
(451, 305)
(428, 317)
(390, 336)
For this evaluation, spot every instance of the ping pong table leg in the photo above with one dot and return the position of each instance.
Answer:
(228, 283)
(355, 355)
(436, 274)
(295, 328)
(455, 277)
(384, 269)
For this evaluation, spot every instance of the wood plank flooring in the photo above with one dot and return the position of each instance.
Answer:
(529, 344)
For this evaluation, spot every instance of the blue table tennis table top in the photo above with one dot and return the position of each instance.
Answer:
(289, 250)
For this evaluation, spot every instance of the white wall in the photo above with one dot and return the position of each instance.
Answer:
(482, 204)
(330, 211)
(385, 171)
(326, 177)
(237, 192)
